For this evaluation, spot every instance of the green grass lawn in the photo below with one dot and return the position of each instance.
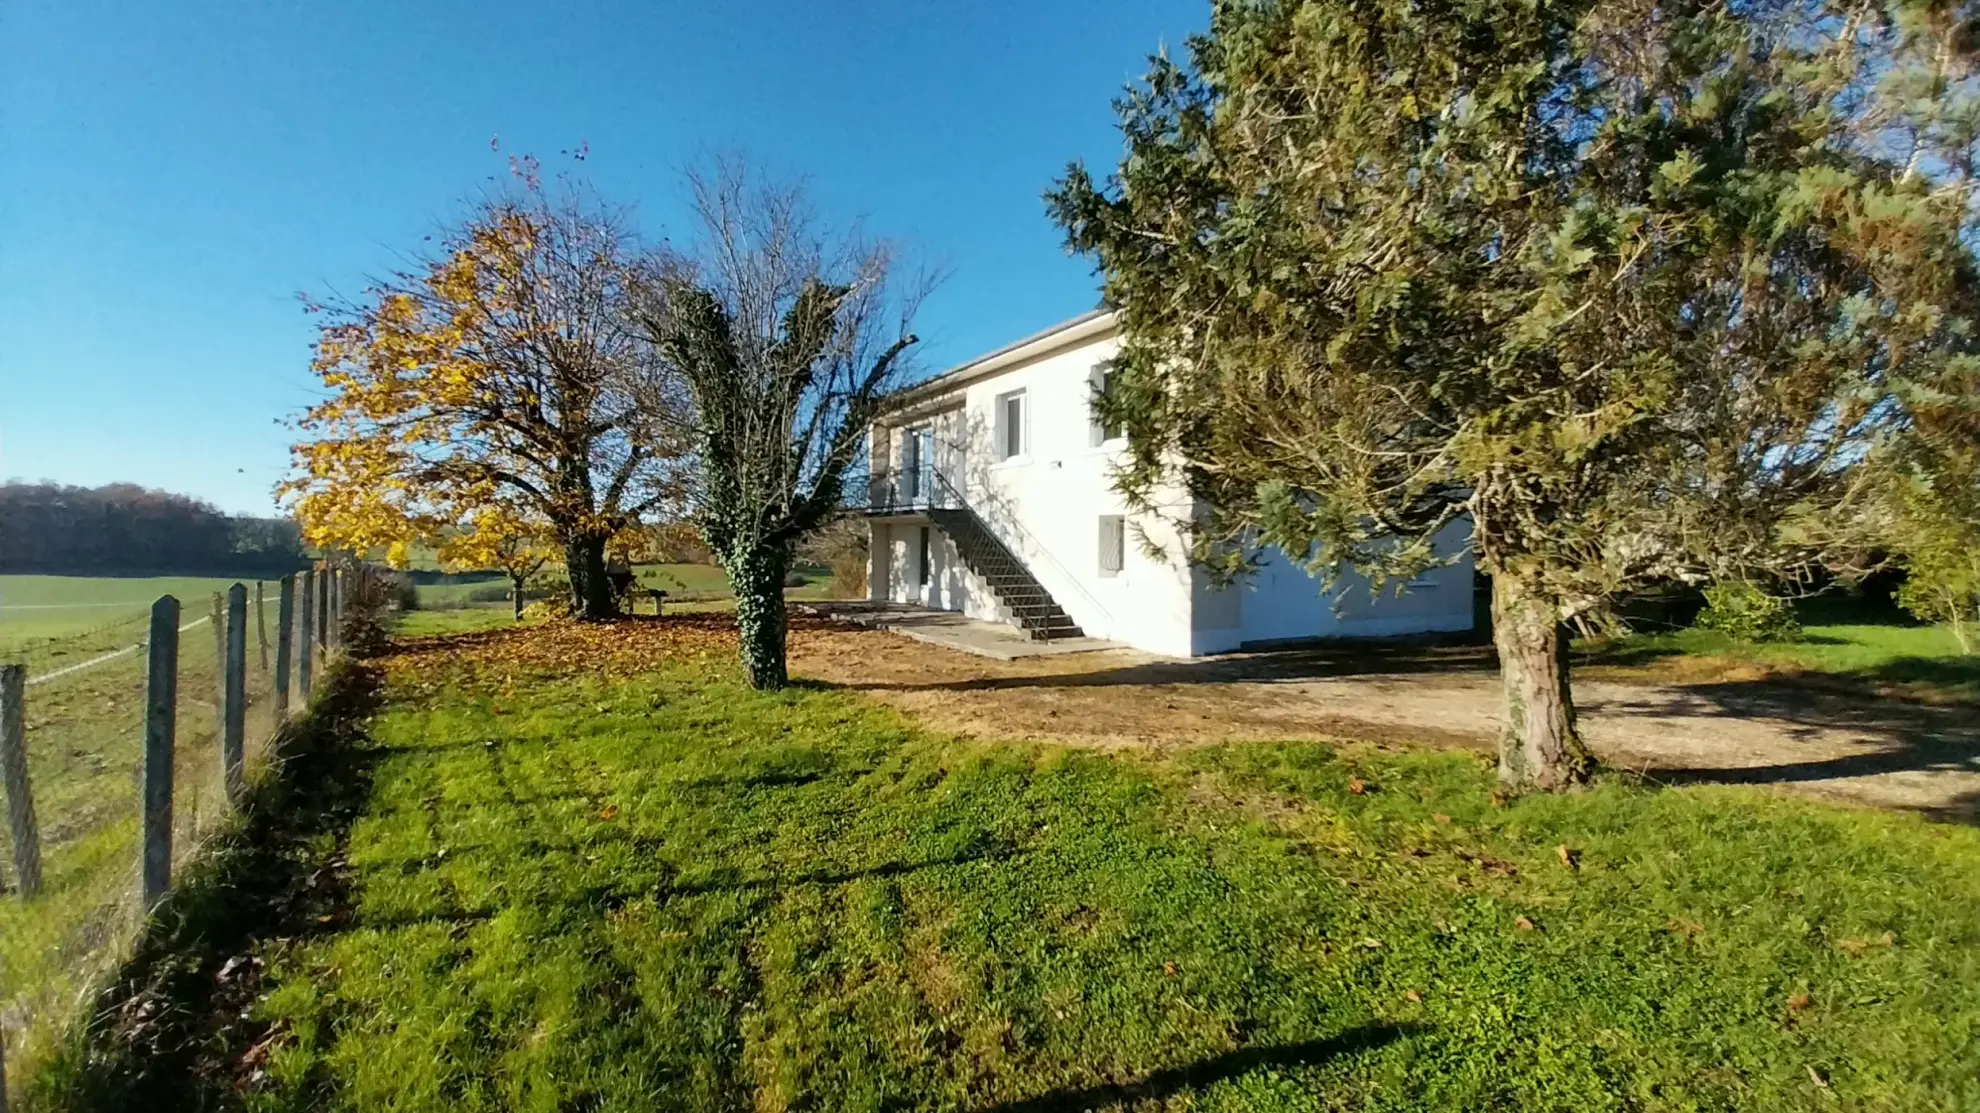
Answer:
(586, 868)
(1871, 651)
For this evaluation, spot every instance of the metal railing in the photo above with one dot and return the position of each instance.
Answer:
(907, 491)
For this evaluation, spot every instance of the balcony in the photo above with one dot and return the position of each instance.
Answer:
(911, 491)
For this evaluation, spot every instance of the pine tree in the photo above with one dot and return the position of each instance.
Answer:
(1622, 288)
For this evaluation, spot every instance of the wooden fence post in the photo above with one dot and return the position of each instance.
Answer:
(161, 705)
(285, 631)
(233, 738)
(13, 768)
(306, 634)
(261, 624)
(219, 663)
(323, 577)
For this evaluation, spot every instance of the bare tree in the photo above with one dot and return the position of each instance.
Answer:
(788, 337)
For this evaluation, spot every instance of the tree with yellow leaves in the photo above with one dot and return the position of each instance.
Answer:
(487, 394)
(500, 535)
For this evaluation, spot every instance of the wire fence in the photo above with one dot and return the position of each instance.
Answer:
(122, 752)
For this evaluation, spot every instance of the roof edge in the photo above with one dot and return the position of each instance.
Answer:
(1062, 335)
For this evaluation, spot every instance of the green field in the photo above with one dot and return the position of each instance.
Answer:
(84, 711)
(1873, 651)
(38, 611)
(585, 867)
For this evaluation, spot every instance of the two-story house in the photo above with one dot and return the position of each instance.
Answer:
(992, 495)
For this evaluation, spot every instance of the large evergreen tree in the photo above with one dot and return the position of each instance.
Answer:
(1624, 286)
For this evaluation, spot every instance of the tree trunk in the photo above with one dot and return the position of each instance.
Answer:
(516, 594)
(591, 588)
(757, 575)
(1540, 747)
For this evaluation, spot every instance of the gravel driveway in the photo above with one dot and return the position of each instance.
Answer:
(1886, 753)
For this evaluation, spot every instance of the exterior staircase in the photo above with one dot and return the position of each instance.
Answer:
(1036, 612)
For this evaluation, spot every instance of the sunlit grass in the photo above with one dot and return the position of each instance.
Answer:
(657, 889)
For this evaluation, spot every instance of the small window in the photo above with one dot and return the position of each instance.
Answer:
(921, 562)
(1102, 431)
(1010, 425)
(1113, 544)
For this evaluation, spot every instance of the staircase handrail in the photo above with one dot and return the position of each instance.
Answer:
(962, 503)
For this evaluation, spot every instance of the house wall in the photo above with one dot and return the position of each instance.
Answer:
(893, 570)
(1282, 602)
(1045, 504)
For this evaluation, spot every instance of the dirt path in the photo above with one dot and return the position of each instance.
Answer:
(1886, 753)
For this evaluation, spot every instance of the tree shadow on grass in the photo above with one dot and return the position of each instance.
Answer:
(1207, 1072)
(1825, 735)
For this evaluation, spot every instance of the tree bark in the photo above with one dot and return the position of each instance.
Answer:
(591, 588)
(516, 594)
(1540, 747)
(757, 575)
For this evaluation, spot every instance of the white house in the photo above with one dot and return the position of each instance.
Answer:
(991, 494)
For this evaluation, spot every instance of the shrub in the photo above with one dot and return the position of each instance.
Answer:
(402, 593)
(1740, 610)
(796, 579)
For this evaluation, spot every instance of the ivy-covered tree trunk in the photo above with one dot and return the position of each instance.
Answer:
(591, 588)
(757, 575)
(1539, 746)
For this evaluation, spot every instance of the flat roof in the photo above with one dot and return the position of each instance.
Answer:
(1038, 343)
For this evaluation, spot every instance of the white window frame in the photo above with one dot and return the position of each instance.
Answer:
(1002, 426)
(1098, 431)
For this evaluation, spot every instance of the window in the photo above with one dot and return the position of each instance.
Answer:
(1113, 544)
(921, 562)
(918, 462)
(1010, 425)
(1102, 431)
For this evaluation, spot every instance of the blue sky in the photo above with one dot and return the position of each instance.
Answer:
(173, 174)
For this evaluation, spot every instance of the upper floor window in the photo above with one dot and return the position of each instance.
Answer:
(1103, 431)
(1010, 425)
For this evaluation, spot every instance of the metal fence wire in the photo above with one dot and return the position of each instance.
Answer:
(122, 751)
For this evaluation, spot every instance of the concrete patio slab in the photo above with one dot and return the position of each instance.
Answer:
(951, 630)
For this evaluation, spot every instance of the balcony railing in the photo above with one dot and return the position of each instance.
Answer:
(899, 491)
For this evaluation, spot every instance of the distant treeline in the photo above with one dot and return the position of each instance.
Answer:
(124, 529)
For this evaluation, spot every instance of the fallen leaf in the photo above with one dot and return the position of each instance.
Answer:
(1523, 924)
(1169, 968)
(1442, 819)
(1854, 947)
(609, 811)
(1799, 1002)
(1356, 786)
(1569, 857)
(1412, 995)
(1372, 944)
(1685, 928)
(1815, 1076)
